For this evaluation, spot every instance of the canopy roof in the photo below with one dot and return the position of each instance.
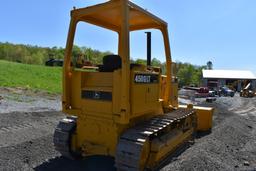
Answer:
(108, 15)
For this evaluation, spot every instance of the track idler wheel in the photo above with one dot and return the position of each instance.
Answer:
(62, 137)
(131, 155)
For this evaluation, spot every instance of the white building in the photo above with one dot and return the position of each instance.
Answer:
(235, 78)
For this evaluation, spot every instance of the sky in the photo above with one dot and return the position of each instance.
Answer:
(221, 31)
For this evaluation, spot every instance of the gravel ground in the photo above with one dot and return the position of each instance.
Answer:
(24, 100)
(26, 140)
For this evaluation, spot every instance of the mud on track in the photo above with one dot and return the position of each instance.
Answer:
(26, 142)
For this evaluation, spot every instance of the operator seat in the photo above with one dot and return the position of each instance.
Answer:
(110, 63)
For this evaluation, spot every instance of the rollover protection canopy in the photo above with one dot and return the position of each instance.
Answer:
(108, 15)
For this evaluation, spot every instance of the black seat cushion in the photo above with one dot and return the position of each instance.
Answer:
(111, 63)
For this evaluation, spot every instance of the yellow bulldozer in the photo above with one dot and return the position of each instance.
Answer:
(127, 111)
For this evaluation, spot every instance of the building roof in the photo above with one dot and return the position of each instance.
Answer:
(229, 74)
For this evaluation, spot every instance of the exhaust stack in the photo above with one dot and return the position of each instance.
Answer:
(148, 48)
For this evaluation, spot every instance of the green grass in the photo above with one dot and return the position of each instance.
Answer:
(35, 77)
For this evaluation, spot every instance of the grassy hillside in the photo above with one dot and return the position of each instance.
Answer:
(30, 76)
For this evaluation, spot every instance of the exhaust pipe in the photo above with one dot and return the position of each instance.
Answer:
(148, 48)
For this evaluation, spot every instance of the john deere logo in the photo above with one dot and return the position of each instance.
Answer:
(96, 95)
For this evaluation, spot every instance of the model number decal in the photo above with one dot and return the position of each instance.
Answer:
(145, 78)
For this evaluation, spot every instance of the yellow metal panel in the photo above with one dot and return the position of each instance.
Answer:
(144, 97)
(96, 106)
(76, 90)
(116, 92)
(174, 93)
(97, 79)
(204, 118)
(97, 136)
(125, 55)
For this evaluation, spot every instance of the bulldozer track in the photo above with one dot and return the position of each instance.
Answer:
(62, 137)
(131, 143)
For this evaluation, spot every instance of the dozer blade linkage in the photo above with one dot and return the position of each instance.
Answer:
(133, 148)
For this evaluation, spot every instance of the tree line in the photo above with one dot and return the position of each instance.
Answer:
(187, 73)
(29, 54)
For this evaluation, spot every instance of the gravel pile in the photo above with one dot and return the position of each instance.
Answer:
(232, 143)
